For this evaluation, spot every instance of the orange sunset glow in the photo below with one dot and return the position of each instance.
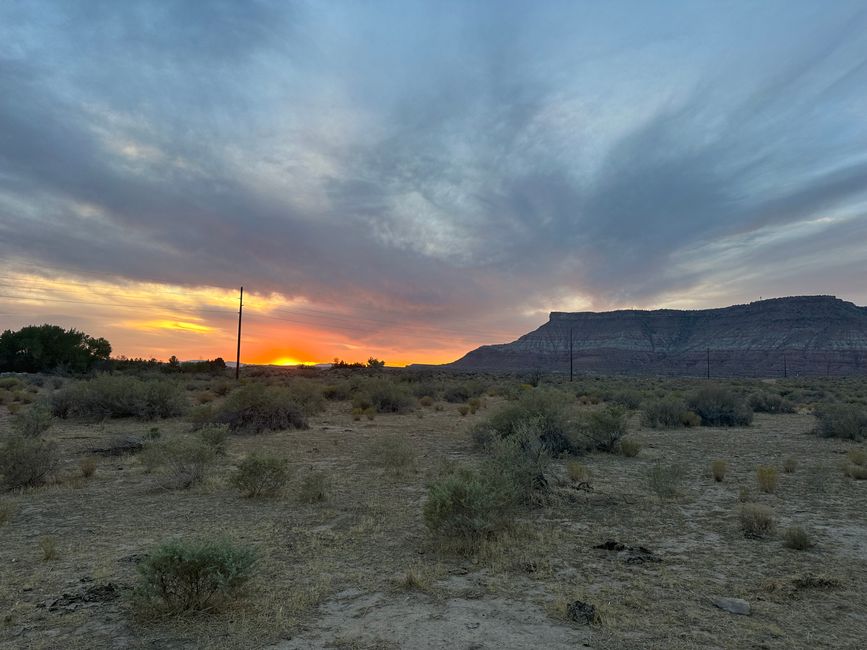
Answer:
(157, 320)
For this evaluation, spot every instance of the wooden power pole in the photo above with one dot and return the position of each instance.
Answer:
(238, 355)
(570, 354)
(708, 363)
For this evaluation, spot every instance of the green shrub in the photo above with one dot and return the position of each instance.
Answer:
(844, 421)
(27, 462)
(666, 481)
(718, 406)
(255, 408)
(666, 413)
(602, 430)
(767, 402)
(547, 410)
(261, 475)
(463, 391)
(181, 577)
(308, 396)
(109, 396)
(385, 396)
(517, 465)
(629, 399)
(464, 506)
(215, 436)
(34, 421)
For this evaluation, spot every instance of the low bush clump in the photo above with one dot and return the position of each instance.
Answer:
(7, 509)
(667, 413)
(602, 430)
(34, 421)
(767, 479)
(215, 436)
(718, 470)
(426, 401)
(666, 481)
(385, 396)
(184, 577)
(790, 465)
(27, 462)
(109, 396)
(845, 421)
(797, 538)
(757, 521)
(547, 411)
(718, 406)
(577, 472)
(630, 447)
(261, 475)
(255, 408)
(87, 466)
(463, 391)
(463, 409)
(767, 402)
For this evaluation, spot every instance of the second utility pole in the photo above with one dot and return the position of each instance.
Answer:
(570, 354)
(238, 356)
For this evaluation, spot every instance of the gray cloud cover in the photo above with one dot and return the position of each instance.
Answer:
(454, 162)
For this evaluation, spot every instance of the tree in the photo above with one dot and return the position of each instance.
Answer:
(42, 348)
(375, 363)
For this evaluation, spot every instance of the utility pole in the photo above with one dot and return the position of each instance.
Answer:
(708, 363)
(238, 355)
(570, 354)
(785, 367)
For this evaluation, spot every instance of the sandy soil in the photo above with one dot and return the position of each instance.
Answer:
(332, 574)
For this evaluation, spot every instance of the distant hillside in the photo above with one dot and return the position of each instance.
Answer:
(802, 335)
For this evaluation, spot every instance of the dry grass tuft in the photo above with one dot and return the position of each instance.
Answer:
(666, 481)
(718, 470)
(577, 472)
(87, 466)
(857, 456)
(797, 538)
(7, 509)
(790, 465)
(315, 487)
(48, 546)
(757, 521)
(767, 478)
(630, 447)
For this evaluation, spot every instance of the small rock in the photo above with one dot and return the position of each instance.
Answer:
(581, 612)
(733, 605)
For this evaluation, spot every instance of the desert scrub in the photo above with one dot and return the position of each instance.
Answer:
(666, 413)
(767, 479)
(463, 409)
(426, 401)
(48, 547)
(110, 396)
(87, 467)
(718, 406)
(577, 472)
(718, 470)
(666, 481)
(517, 465)
(187, 577)
(261, 475)
(184, 461)
(797, 539)
(630, 447)
(790, 465)
(7, 509)
(767, 402)
(255, 408)
(601, 430)
(757, 521)
(392, 452)
(384, 396)
(215, 436)
(547, 410)
(27, 462)
(857, 456)
(34, 421)
(845, 421)
(315, 487)
(464, 506)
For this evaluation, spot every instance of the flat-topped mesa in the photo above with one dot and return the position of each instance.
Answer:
(806, 335)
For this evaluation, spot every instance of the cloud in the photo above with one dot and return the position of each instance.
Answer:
(438, 165)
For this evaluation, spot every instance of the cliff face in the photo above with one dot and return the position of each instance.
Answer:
(803, 335)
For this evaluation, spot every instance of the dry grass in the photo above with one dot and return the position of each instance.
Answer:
(718, 470)
(797, 539)
(790, 465)
(757, 520)
(767, 478)
(48, 547)
(87, 467)
(368, 538)
(630, 447)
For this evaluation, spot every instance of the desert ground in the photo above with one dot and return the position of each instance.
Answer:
(345, 558)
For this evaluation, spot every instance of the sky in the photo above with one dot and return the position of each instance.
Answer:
(409, 180)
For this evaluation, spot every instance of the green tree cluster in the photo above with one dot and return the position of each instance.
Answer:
(45, 348)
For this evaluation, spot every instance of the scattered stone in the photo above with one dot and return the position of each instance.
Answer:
(581, 612)
(733, 605)
(86, 597)
(630, 554)
(120, 445)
